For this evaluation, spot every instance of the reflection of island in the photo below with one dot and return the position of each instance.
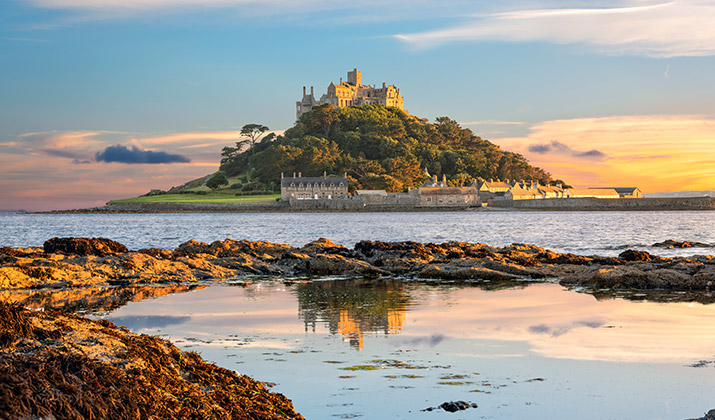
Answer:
(353, 307)
(91, 300)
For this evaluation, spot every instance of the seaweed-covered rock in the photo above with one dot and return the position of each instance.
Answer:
(84, 246)
(55, 365)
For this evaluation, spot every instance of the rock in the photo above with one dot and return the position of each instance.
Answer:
(550, 257)
(685, 244)
(193, 247)
(165, 254)
(635, 255)
(515, 269)
(447, 272)
(328, 264)
(454, 406)
(710, 415)
(324, 246)
(628, 277)
(80, 368)
(84, 246)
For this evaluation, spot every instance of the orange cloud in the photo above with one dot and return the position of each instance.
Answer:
(655, 153)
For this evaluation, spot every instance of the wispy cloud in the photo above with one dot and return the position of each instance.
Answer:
(558, 147)
(677, 28)
(360, 10)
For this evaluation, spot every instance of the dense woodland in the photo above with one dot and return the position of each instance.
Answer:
(378, 147)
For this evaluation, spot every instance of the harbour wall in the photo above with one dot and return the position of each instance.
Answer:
(271, 206)
(601, 204)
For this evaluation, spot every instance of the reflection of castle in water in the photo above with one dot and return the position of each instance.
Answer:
(352, 308)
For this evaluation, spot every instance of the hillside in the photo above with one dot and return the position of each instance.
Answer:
(378, 147)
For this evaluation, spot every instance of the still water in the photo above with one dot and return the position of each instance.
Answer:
(387, 349)
(585, 233)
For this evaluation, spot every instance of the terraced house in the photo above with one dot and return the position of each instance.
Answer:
(313, 188)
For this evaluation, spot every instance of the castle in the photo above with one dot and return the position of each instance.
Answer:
(352, 92)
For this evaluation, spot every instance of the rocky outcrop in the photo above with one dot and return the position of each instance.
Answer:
(681, 244)
(95, 262)
(84, 246)
(710, 415)
(59, 366)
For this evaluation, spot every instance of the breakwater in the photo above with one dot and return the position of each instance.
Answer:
(612, 204)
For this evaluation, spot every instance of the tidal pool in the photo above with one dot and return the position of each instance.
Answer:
(385, 349)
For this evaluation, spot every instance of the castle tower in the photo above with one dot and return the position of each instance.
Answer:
(305, 104)
(351, 93)
(354, 77)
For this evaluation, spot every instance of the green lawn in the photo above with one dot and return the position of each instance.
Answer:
(199, 198)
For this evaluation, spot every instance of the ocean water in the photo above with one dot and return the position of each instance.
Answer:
(585, 233)
(389, 350)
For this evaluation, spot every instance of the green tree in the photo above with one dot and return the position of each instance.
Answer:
(254, 132)
(218, 179)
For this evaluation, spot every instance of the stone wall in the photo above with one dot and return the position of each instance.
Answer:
(269, 206)
(329, 205)
(686, 203)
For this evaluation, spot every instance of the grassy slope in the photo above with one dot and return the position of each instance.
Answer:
(221, 195)
(218, 197)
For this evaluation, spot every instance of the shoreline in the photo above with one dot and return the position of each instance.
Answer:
(83, 262)
(335, 206)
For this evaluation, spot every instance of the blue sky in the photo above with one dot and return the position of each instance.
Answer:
(632, 79)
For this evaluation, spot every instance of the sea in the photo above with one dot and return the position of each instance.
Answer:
(345, 348)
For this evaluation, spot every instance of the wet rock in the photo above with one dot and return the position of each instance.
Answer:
(550, 257)
(192, 247)
(84, 246)
(710, 415)
(327, 264)
(626, 277)
(685, 244)
(158, 253)
(450, 272)
(515, 269)
(371, 250)
(324, 246)
(453, 406)
(635, 255)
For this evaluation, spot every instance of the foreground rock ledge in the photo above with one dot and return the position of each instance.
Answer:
(77, 262)
(59, 366)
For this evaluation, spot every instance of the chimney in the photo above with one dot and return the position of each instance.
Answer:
(281, 175)
(325, 174)
(341, 80)
(300, 174)
(293, 174)
(444, 178)
(345, 175)
(303, 90)
(311, 91)
(383, 85)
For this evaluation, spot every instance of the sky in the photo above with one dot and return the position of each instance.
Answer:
(107, 99)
